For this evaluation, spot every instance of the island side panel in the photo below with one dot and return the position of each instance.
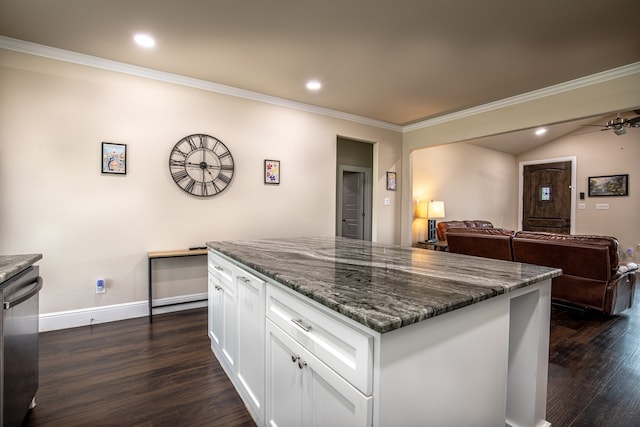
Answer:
(529, 356)
(454, 369)
(450, 370)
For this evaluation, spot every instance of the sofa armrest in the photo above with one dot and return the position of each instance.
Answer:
(620, 292)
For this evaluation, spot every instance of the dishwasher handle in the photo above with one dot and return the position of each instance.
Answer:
(33, 288)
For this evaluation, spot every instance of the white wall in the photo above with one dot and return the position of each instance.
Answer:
(473, 182)
(54, 200)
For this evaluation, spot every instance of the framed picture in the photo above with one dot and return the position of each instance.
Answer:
(609, 186)
(114, 158)
(272, 171)
(391, 181)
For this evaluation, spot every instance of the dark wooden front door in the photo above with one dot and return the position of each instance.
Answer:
(546, 198)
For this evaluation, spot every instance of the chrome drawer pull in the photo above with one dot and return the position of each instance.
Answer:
(217, 267)
(301, 324)
(301, 364)
(244, 279)
(294, 357)
(218, 288)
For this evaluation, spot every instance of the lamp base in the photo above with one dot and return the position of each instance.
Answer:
(431, 231)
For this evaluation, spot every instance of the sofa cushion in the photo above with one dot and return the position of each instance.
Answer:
(484, 242)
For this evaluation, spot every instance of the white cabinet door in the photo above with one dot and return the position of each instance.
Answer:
(329, 400)
(228, 343)
(284, 379)
(250, 340)
(222, 322)
(303, 391)
(216, 328)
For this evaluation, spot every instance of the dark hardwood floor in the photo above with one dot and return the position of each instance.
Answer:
(132, 373)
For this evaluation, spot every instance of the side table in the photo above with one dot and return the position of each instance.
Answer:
(434, 246)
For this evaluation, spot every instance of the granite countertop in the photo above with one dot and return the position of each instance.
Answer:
(383, 287)
(10, 265)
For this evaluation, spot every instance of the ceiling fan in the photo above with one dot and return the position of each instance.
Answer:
(619, 125)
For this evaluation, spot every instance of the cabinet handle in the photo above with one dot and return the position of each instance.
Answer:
(301, 324)
(244, 279)
(218, 288)
(294, 357)
(301, 364)
(217, 267)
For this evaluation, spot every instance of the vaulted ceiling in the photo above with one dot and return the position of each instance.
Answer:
(398, 62)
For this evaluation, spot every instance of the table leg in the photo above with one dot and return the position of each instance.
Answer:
(150, 294)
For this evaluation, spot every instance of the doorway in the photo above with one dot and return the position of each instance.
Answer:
(547, 189)
(354, 189)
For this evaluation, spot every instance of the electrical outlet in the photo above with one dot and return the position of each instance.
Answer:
(101, 286)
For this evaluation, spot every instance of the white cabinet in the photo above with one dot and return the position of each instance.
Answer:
(303, 391)
(302, 367)
(250, 339)
(236, 329)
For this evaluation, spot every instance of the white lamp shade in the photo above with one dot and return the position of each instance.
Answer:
(435, 209)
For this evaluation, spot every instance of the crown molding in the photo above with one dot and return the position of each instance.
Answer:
(120, 67)
(593, 79)
(134, 70)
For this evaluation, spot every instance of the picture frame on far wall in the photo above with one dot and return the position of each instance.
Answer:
(114, 158)
(272, 171)
(392, 178)
(609, 185)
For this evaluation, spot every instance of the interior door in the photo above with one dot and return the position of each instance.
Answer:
(353, 184)
(546, 199)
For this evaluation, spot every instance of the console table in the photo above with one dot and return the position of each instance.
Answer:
(167, 254)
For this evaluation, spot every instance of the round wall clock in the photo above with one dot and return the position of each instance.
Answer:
(201, 165)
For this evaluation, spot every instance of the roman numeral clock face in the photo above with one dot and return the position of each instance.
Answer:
(201, 165)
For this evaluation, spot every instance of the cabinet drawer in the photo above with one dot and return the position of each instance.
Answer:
(220, 268)
(346, 350)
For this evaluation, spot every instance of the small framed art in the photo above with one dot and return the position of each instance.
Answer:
(272, 171)
(391, 181)
(609, 186)
(114, 158)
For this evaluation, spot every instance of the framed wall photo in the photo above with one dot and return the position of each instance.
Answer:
(272, 171)
(392, 181)
(609, 185)
(114, 158)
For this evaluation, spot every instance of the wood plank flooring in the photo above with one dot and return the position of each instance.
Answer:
(132, 373)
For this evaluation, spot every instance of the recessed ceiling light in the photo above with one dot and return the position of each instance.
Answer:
(314, 85)
(541, 131)
(144, 40)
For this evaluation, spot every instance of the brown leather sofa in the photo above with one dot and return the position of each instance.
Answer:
(592, 275)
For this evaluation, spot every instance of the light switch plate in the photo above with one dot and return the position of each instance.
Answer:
(582, 206)
(387, 201)
(602, 206)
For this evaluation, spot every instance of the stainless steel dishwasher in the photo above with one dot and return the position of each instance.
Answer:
(20, 353)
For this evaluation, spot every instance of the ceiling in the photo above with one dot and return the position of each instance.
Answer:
(397, 62)
(518, 142)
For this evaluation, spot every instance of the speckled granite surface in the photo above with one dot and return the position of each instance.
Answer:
(10, 265)
(381, 286)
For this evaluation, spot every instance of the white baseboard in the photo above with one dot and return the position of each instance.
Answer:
(112, 313)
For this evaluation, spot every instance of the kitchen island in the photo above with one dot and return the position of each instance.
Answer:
(357, 333)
